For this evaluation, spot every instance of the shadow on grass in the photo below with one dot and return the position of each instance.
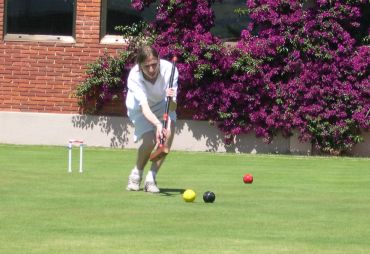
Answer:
(171, 192)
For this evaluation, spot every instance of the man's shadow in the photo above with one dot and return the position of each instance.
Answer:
(171, 191)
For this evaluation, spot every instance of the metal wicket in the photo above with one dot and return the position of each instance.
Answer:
(77, 142)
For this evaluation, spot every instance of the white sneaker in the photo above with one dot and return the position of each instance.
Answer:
(133, 182)
(151, 187)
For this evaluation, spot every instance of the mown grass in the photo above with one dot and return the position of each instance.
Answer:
(295, 204)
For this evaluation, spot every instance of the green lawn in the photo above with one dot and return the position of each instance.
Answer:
(295, 205)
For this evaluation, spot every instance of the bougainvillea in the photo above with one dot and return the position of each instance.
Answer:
(314, 77)
(105, 81)
(297, 66)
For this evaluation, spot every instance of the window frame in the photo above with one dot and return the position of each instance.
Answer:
(39, 37)
(107, 38)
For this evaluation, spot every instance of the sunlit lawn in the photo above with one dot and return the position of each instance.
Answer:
(295, 204)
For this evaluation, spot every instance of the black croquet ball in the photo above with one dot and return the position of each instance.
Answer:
(209, 197)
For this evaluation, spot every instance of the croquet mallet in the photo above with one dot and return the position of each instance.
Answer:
(162, 149)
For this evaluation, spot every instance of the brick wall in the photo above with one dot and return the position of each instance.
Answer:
(41, 76)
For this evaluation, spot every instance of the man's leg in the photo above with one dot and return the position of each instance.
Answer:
(143, 154)
(145, 149)
(150, 180)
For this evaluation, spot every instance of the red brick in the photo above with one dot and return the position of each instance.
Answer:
(42, 76)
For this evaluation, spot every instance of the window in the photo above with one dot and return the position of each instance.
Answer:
(120, 13)
(228, 24)
(40, 19)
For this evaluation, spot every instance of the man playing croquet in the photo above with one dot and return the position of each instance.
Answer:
(148, 89)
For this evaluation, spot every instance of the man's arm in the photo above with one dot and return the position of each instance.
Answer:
(153, 119)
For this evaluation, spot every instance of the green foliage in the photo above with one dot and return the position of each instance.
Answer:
(242, 11)
(366, 40)
(245, 63)
(325, 134)
(136, 36)
(203, 70)
(104, 80)
(224, 115)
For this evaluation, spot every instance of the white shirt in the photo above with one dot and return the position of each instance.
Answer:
(141, 90)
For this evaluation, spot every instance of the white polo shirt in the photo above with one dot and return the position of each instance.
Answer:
(141, 90)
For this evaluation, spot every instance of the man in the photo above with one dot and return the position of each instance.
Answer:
(148, 89)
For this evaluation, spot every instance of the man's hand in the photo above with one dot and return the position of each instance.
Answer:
(159, 133)
(162, 133)
(170, 92)
(166, 133)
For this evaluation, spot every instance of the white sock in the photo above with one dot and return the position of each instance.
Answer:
(150, 177)
(137, 171)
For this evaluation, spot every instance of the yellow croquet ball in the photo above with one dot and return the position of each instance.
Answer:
(189, 195)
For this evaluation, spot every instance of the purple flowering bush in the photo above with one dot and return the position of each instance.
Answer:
(104, 83)
(298, 65)
(313, 76)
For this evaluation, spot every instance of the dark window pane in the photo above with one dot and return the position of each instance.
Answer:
(120, 13)
(228, 24)
(46, 17)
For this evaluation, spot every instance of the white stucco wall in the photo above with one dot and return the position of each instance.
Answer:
(104, 131)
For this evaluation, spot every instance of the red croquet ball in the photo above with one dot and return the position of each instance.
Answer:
(247, 178)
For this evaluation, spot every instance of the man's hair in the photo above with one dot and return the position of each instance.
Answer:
(144, 52)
